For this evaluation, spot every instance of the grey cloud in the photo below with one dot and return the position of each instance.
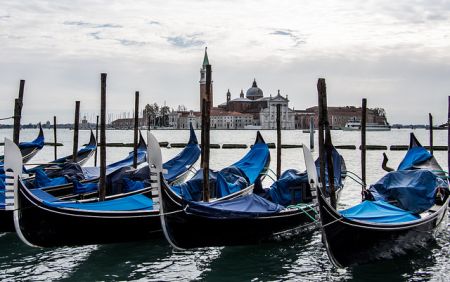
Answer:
(91, 25)
(95, 35)
(126, 42)
(185, 41)
(5, 17)
(296, 38)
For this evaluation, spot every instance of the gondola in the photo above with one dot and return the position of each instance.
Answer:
(60, 189)
(240, 220)
(43, 220)
(83, 156)
(402, 210)
(30, 149)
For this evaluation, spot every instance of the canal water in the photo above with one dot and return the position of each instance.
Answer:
(302, 259)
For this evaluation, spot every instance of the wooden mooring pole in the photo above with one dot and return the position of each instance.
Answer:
(278, 141)
(363, 142)
(55, 141)
(136, 127)
(448, 136)
(75, 130)
(311, 133)
(102, 182)
(430, 118)
(324, 125)
(96, 140)
(18, 104)
(206, 111)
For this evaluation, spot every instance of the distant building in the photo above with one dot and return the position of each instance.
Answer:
(263, 109)
(338, 116)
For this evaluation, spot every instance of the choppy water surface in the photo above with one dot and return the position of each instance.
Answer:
(300, 259)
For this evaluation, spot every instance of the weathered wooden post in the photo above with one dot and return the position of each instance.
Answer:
(311, 133)
(96, 140)
(278, 141)
(430, 117)
(54, 138)
(363, 142)
(136, 127)
(102, 182)
(206, 111)
(324, 124)
(18, 104)
(75, 130)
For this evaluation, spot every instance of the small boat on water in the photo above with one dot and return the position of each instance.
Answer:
(30, 149)
(83, 155)
(354, 124)
(403, 210)
(280, 212)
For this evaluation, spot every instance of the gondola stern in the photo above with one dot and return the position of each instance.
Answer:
(13, 170)
(413, 142)
(259, 139)
(92, 140)
(159, 184)
(192, 136)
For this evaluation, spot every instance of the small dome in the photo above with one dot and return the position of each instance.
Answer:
(254, 92)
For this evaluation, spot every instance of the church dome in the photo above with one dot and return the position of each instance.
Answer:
(254, 92)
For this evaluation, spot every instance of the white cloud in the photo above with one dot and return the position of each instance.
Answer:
(393, 53)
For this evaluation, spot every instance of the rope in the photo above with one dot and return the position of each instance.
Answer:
(303, 209)
(7, 118)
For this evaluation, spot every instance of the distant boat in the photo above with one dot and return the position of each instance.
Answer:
(355, 125)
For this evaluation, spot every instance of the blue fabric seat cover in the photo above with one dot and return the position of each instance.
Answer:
(38, 143)
(413, 189)
(130, 203)
(42, 180)
(378, 212)
(414, 156)
(250, 205)
(181, 162)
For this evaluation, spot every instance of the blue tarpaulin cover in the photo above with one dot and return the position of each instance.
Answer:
(130, 203)
(230, 179)
(38, 143)
(414, 156)
(250, 205)
(43, 196)
(413, 189)
(131, 185)
(337, 168)
(280, 192)
(94, 172)
(254, 161)
(192, 190)
(80, 188)
(181, 162)
(42, 180)
(378, 212)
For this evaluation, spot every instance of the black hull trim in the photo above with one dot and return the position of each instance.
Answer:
(6, 221)
(187, 230)
(350, 242)
(45, 226)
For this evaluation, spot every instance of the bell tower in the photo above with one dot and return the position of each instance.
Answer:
(203, 80)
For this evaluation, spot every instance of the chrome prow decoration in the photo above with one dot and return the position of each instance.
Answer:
(13, 169)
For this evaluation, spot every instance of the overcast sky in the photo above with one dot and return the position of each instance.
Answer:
(395, 53)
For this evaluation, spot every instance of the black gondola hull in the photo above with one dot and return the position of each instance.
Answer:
(6, 221)
(187, 230)
(45, 226)
(355, 242)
